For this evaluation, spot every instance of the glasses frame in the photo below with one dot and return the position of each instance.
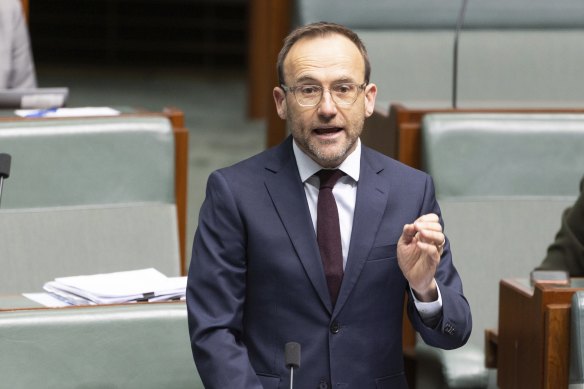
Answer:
(360, 87)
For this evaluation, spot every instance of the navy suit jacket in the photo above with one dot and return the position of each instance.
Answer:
(256, 280)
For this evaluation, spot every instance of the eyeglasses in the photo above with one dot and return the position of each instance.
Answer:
(344, 94)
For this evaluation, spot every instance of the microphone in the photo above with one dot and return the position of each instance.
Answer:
(292, 357)
(4, 169)
(455, 52)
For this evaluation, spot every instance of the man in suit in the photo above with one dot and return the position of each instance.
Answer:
(261, 274)
(16, 64)
(567, 250)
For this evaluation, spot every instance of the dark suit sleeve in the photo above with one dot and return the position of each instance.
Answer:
(216, 292)
(567, 250)
(455, 325)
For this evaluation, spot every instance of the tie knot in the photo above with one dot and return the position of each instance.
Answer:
(329, 177)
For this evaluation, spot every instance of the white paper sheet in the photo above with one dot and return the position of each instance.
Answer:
(46, 300)
(67, 112)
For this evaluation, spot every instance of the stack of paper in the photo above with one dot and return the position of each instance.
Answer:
(121, 287)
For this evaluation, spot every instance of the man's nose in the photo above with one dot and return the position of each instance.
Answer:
(327, 106)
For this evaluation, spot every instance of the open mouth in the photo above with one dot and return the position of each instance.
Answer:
(327, 130)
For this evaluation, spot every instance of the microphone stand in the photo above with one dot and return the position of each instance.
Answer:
(291, 377)
(4, 169)
(1, 182)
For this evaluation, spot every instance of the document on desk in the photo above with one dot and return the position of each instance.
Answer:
(47, 300)
(119, 287)
(67, 112)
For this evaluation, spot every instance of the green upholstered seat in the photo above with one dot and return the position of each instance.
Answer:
(485, 155)
(134, 346)
(511, 52)
(503, 181)
(88, 161)
(39, 244)
(87, 196)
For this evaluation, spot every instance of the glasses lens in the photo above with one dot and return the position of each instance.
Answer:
(308, 95)
(342, 94)
(345, 93)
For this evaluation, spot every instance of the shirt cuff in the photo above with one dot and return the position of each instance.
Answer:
(430, 312)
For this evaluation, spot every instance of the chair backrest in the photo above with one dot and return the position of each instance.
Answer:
(480, 155)
(40, 244)
(126, 346)
(88, 161)
(87, 196)
(496, 238)
(577, 342)
(519, 50)
(502, 181)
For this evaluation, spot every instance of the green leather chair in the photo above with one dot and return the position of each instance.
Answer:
(511, 54)
(509, 50)
(133, 346)
(503, 181)
(85, 196)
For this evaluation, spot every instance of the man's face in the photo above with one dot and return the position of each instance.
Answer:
(327, 132)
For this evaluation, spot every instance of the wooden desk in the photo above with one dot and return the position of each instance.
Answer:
(18, 302)
(405, 124)
(534, 334)
(181, 161)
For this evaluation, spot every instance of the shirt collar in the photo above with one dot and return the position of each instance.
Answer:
(307, 167)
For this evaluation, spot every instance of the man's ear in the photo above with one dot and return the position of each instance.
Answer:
(370, 95)
(280, 100)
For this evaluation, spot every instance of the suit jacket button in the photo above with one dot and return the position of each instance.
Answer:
(323, 385)
(335, 327)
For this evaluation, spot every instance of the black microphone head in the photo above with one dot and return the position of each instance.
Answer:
(292, 354)
(5, 165)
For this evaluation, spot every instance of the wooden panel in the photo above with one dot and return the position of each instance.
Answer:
(491, 348)
(534, 335)
(280, 25)
(181, 167)
(258, 59)
(556, 346)
(270, 22)
(516, 345)
(376, 135)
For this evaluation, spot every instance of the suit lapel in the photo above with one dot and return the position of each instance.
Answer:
(372, 196)
(287, 192)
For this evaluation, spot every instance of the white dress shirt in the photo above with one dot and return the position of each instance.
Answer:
(345, 193)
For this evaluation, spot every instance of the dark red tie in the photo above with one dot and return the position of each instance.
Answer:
(328, 231)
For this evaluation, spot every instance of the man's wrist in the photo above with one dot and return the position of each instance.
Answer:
(428, 295)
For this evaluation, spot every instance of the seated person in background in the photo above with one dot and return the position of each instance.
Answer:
(16, 64)
(567, 251)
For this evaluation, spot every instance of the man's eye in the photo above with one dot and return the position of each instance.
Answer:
(343, 88)
(309, 90)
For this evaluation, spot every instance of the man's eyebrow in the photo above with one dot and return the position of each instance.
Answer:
(344, 80)
(305, 79)
(311, 80)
